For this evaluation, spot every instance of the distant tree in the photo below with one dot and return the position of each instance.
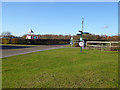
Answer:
(103, 37)
(98, 37)
(115, 38)
(8, 34)
(89, 36)
(24, 36)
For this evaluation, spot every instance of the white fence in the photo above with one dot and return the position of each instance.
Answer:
(102, 44)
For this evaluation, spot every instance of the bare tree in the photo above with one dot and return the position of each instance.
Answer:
(6, 34)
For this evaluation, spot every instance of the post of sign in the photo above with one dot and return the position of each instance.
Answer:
(81, 46)
(71, 41)
(81, 43)
(81, 39)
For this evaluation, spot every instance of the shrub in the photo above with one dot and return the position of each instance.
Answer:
(114, 49)
(75, 44)
(0, 41)
(22, 41)
(14, 41)
(5, 41)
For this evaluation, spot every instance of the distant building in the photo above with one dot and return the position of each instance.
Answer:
(31, 35)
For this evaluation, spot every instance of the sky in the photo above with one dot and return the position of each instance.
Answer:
(60, 0)
(60, 17)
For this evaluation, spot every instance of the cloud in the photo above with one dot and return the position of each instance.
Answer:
(105, 26)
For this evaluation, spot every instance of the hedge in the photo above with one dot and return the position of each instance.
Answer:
(35, 41)
(5, 41)
(75, 44)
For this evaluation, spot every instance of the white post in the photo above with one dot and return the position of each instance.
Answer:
(110, 45)
(86, 44)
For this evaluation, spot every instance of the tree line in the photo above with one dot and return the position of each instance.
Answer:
(75, 37)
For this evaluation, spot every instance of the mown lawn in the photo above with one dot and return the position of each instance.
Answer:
(61, 68)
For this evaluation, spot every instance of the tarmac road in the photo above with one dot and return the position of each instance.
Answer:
(17, 50)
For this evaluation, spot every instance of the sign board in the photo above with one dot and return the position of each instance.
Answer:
(81, 39)
(81, 44)
(71, 41)
(71, 38)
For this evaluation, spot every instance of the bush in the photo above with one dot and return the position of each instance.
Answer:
(14, 41)
(35, 41)
(22, 41)
(0, 41)
(75, 44)
(5, 41)
(114, 49)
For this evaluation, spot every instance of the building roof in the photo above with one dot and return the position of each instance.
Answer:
(30, 31)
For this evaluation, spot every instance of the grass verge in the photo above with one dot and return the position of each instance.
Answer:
(61, 68)
(67, 46)
(19, 45)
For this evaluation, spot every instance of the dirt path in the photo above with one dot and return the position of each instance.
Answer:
(17, 50)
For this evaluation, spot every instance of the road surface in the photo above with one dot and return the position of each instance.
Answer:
(17, 50)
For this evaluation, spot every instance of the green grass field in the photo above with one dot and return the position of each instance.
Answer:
(61, 68)
(67, 46)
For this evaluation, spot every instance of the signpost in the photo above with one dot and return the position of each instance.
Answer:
(81, 39)
(81, 43)
(71, 41)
